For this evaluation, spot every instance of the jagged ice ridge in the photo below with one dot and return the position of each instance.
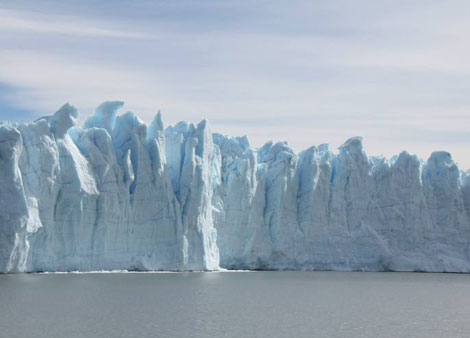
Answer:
(117, 194)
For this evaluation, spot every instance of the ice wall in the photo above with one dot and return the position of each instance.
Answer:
(117, 194)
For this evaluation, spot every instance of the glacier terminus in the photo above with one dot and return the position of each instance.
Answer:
(117, 194)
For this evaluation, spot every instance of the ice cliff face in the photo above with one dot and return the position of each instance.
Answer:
(117, 194)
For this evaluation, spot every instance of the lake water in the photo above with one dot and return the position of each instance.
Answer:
(235, 304)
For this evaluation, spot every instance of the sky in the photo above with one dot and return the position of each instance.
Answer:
(395, 72)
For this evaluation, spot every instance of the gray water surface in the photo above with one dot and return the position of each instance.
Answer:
(235, 304)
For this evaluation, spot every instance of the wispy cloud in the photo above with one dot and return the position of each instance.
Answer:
(37, 23)
(395, 72)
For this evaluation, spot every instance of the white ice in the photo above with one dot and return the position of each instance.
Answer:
(116, 194)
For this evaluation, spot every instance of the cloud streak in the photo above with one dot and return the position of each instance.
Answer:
(36, 23)
(395, 72)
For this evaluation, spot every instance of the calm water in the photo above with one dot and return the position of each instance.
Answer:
(235, 304)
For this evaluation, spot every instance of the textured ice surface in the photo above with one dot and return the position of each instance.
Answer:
(116, 194)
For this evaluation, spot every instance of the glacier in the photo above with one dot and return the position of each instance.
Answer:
(116, 194)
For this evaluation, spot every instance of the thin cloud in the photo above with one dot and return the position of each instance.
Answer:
(37, 23)
(395, 72)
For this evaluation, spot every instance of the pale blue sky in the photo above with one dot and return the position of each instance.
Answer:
(308, 72)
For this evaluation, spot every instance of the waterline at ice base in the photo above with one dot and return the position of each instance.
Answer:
(116, 194)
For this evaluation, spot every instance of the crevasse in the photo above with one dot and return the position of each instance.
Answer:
(116, 194)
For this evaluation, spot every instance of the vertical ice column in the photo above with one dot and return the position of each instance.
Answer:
(40, 170)
(399, 210)
(193, 187)
(155, 143)
(465, 183)
(68, 243)
(314, 177)
(449, 239)
(154, 235)
(355, 244)
(111, 235)
(441, 179)
(280, 209)
(234, 198)
(14, 211)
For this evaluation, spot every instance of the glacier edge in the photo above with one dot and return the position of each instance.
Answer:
(116, 194)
